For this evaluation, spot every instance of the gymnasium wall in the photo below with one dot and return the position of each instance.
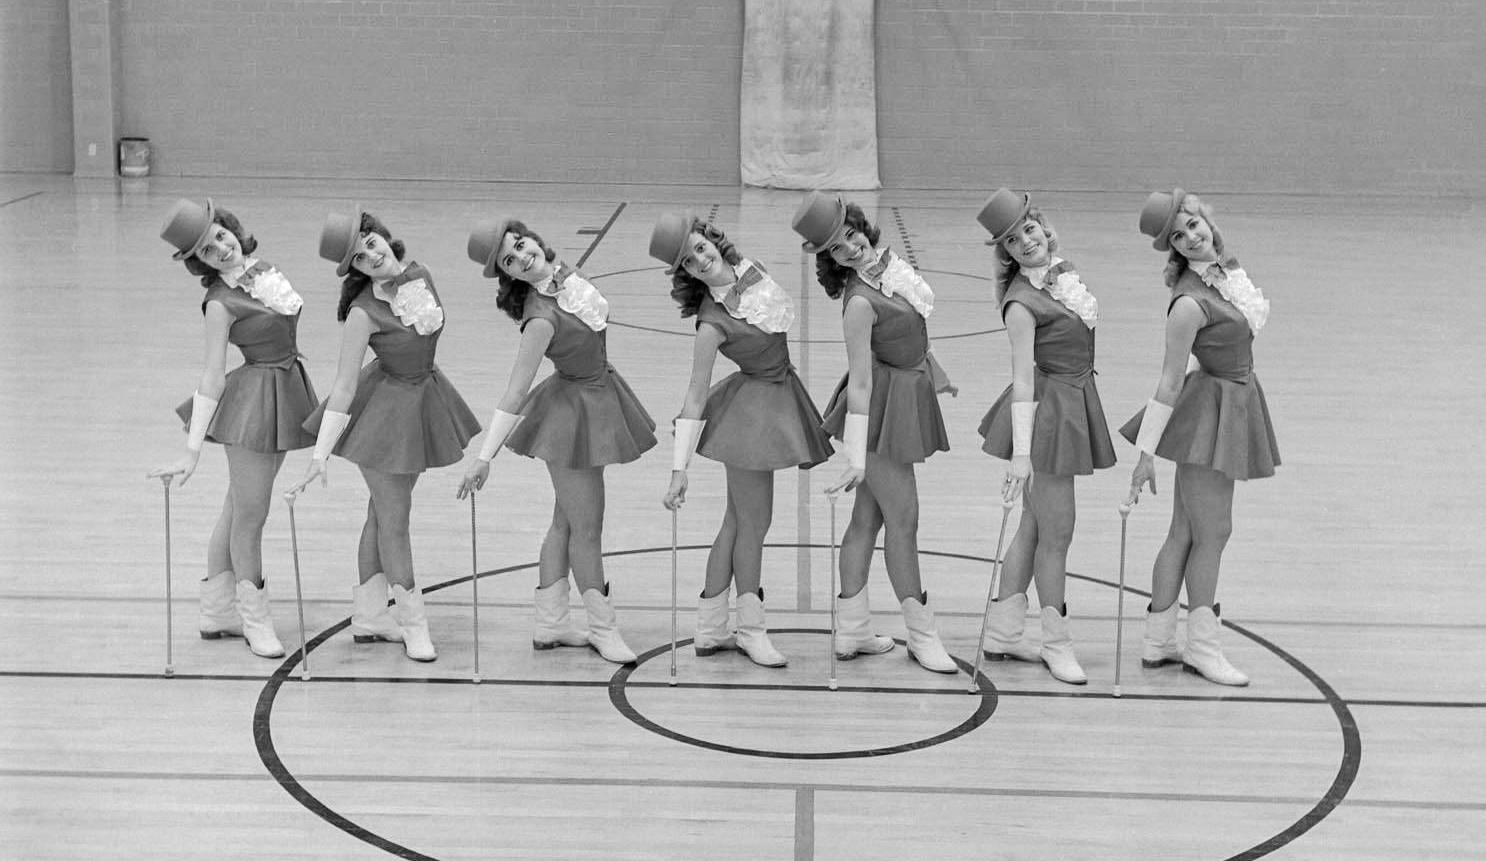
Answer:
(1351, 96)
(35, 87)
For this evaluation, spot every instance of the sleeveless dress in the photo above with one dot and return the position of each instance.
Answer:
(584, 414)
(760, 417)
(268, 397)
(1220, 420)
(406, 417)
(904, 423)
(1070, 435)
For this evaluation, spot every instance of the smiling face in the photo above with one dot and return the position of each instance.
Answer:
(1192, 237)
(702, 261)
(522, 258)
(1029, 244)
(221, 250)
(373, 257)
(852, 249)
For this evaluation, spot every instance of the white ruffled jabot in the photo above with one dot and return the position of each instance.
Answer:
(1233, 284)
(1062, 282)
(575, 295)
(269, 286)
(414, 305)
(893, 276)
(759, 300)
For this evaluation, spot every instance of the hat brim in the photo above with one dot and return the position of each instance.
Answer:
(1163, 241)
(691, 227)
(1020, 217)
(490, 270)
(211, 215)
(344, 266)
(836, 228)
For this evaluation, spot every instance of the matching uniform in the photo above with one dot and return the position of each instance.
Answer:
(406, 417)
(584, 414)
(1220, 420)
(1070, 435)
(760, 417)
(269, 396)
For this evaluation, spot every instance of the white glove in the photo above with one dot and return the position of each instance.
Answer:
(501, 425)
(688, 431)
(332, 425)
(855, 438)
(1023, 414)
(1152, 425)
(202, 410)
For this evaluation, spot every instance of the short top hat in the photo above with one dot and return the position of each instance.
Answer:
(1003, 212)
(338, 239)
(819, 219)
(484, 243)
(1159, 214)
(668, 239)
(187, 226)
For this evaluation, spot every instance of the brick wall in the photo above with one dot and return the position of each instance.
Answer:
(554, 90)
(1222, 95)
(35, 87)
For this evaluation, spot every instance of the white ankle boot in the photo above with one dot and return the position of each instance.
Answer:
(712, 634)
(603, 627)
(923, 638)
(257, 622)
(411, 617)
(1005, 627)
(1158, 646)
(370, 620)
(219, 617)
(553, 620)
(753, 631)
(1057, 648)
(1203, 655)
(854, 629)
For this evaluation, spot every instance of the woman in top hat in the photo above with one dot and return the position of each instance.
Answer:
(1212, 421)
(254, 412)
(579, 420)
(756, 421)
(1048, 423)
(394, 418)
(886, 413)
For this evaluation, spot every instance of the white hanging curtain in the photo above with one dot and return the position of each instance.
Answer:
(808, 117)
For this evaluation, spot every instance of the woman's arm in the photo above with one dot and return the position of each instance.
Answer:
(689, 425)
(1182, 324)
(1021, 328)
(218, 321)
(856, 325)
(356, 333)
(535, 339)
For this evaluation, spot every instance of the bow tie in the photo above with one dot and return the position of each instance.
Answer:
(874, 272)
(734, 298)
(1214, 274)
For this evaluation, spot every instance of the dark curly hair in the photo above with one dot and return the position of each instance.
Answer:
(1176, 264)
(196, 266)
(832, 275)
(1006, 265)
(511, 297)
(688, 290)
(357, 281)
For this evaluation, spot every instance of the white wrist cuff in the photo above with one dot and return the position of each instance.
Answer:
(1023, 415)
(1152, 426)
(202, 410)
(855, 438)
(501, 425)
(332, 425)
(688, 431)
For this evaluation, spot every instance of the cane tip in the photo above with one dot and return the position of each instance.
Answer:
(1116, 692)
(974, 689)
(475, 679)
(169, 672)
(304, 676)
(831, 684)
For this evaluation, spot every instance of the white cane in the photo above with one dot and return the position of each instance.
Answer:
(169, 625)
(673, 595)
(1120, 613)
(475, 587)
(304, 646)
(1006, 506)
(832, 497)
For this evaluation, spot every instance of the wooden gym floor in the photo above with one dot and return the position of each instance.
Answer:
(1352, 585)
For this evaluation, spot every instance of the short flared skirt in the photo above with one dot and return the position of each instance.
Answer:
(401, 427)
(1220, 424)
(763, 425)
(579, 425)
(1070, 435)
(262, 409)
(904, 423)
